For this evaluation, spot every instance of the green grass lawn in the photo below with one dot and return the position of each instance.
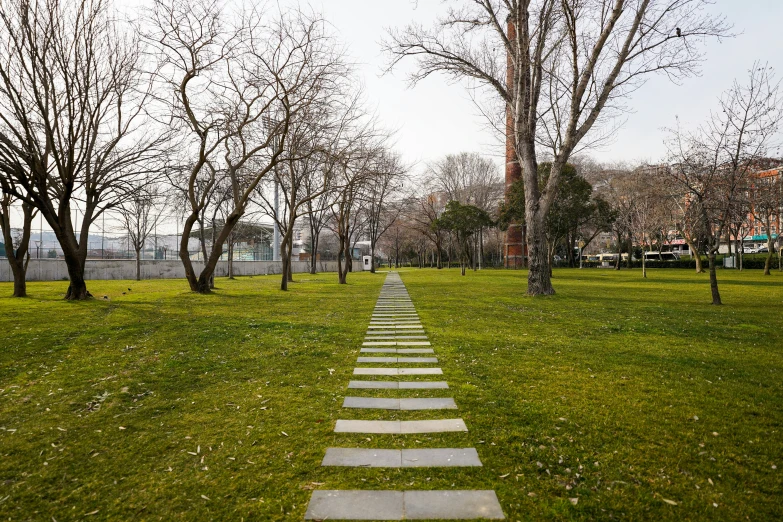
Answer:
(635, 396)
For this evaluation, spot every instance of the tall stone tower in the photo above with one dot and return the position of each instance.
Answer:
(514, 246)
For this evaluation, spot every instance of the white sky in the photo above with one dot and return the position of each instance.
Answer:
(436, 118)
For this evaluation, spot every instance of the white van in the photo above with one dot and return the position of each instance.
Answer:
(661, 256)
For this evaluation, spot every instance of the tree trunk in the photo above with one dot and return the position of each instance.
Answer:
(138, 264)
(770, 251)
(714, 278)
(314, 254)
(184, 255)
(285, 261)
(340, 279)
(372, 257)
(343, 267)
(696, 255)
(231, 256)
(539, 281)
(17, 259)
(205, 281)
(77, 289)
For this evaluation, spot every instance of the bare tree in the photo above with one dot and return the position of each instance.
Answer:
(561, 69)
(354, 159)
(382, 206)
(422, 211)
(767, 200)
(317, 213)
(713, 163)
(140, 214)
(306, 176)
(649, 215)
(618, 186)
(16, 248)
(468, 178)
(238, 83)
(73, 126)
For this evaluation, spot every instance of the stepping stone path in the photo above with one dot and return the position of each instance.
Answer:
(396, 323)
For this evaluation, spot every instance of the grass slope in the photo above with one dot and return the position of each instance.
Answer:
(164, 405)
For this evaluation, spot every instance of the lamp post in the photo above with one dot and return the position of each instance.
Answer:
(271, 126)
(276, 239)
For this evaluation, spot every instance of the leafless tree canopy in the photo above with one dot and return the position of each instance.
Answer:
(713, 163)
(561, 69)
(239, 83)
(470, 179)
(73, 125)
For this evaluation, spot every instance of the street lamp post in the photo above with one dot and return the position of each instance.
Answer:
(276, 240)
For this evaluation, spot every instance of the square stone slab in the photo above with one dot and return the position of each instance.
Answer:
(424, 385)
(398, 427)
(363, 457)
(432, 426)
(440, 457)
(420, 371)
(396, 385)
(387, 321)
(376, 371)
(452, 505)
(414, 343)
(367, 426)
(438, 403)
(397, 371)
(371, 403)
(397, 337)
(407, 458)
(393, 332)
(374, 385)
(379, 343)
(390, 327)
(417, 360)
(396, 350)
(376, 360)
(399, 404)
(355, 505)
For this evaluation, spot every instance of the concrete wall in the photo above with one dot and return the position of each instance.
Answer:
(55, 270)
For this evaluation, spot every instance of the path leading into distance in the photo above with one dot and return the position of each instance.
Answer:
(396, 336)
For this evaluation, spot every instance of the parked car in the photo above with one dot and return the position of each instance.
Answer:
(762, 250)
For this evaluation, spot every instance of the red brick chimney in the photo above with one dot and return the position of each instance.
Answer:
(514, 247)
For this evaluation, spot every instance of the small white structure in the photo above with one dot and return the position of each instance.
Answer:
(366, 263)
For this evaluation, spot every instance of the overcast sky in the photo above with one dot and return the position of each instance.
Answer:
(437, 118)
